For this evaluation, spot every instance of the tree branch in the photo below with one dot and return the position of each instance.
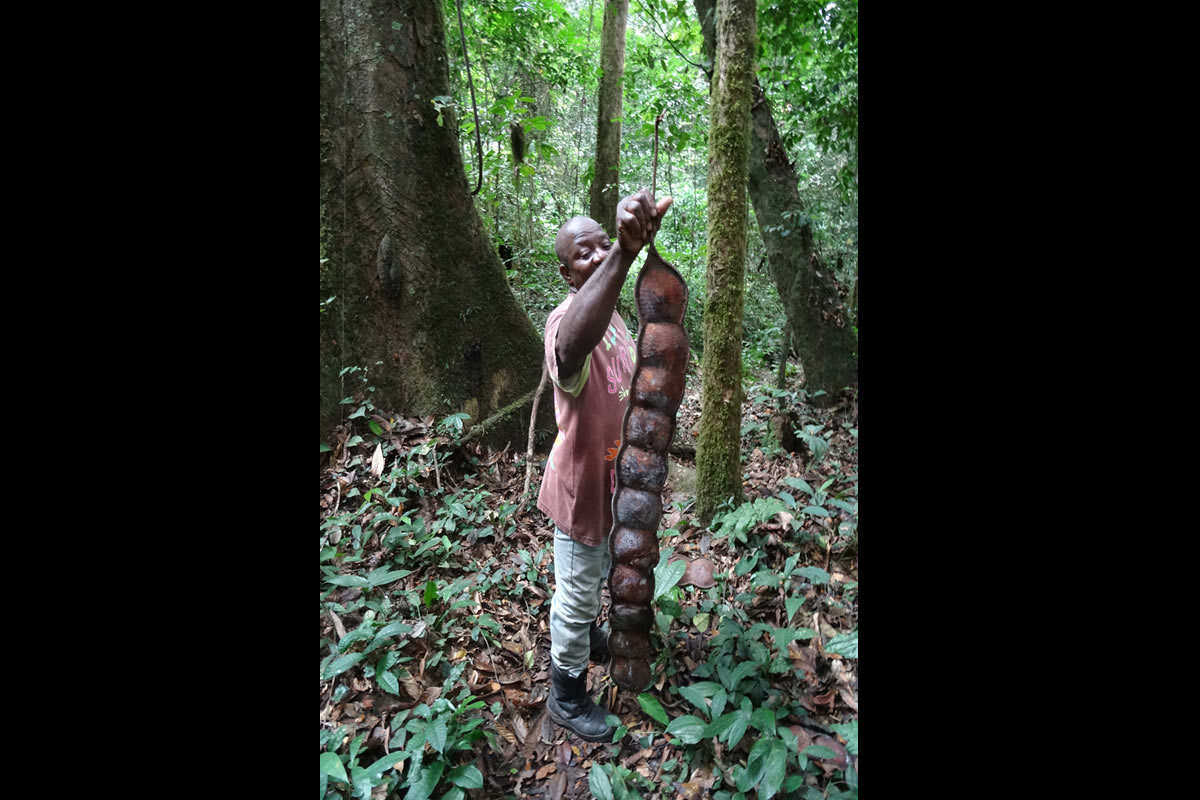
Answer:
(668, 41)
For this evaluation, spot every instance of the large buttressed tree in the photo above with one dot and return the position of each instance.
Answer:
(605, 191)
(417, 283)
(819, 321)
(718, 450)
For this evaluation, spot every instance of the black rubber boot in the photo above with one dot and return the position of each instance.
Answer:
(571, 707)
(599, 642)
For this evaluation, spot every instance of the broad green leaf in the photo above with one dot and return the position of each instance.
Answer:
(431, 593)
(387, 762)
(392, 629)
(793, 605)
(849, 732)
(844, 644)
(814, 575)
(797, 483)
(764, 720)
(599, 784)
(347, 580)
(815, 511)
(651, 706)
(340, 665)
(719, 725)
(331, 765)
(738, 729)
(467, 776)
(380, 577)
(765, 578)
(719, 703)
(325, 448)
(774, 769)
(706, 688)
(387, 681)
(425, 781)
(818, 751)
(701, 622)
(687, 728)
(743, 670)
(695, 698)
(374, 426)
(667, 576)
(436, 734)
(361, 781)
(453, 793)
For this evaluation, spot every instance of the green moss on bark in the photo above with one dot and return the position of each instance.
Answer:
(718, 452)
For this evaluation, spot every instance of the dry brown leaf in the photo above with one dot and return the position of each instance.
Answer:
(413, 687)
(699, 573)
(558, 785)
(826, 699)
(848, 697)
(377, 460)
(544, 771)
(687, 791)
(803, 739)
(505, 733)
(337, 624)
(519, 727)
(840, 759)
(562, 754)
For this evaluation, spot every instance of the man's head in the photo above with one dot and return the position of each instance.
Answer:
(581, 246)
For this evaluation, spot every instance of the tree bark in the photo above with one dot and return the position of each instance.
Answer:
(718, 451)
(817, 317)
(422, 303)
(605, 191)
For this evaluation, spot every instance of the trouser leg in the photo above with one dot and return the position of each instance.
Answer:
(579, 573)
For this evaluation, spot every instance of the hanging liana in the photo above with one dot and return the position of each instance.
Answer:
(478, 143)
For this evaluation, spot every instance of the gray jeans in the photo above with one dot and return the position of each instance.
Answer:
(579, 573)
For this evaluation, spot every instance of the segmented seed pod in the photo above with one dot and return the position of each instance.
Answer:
(647, 430)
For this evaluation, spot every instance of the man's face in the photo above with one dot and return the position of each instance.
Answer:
(584, 245)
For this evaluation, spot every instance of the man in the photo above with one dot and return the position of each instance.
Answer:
(590, 356)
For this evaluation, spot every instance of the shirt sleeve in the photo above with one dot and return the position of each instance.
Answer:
(571, 384)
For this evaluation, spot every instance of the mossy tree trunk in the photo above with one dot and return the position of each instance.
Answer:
(605, 190)
(718, 450)
(421, 299)
(817, 316)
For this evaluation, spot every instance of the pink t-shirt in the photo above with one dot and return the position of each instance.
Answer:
(577, 488)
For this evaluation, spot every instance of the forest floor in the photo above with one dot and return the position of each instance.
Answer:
(436, 583)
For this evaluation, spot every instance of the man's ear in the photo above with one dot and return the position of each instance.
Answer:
(562, 270)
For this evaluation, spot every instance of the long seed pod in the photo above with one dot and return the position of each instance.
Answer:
(647, 430)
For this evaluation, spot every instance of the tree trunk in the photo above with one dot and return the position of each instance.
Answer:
(818, 319)
(422, 303)
(718, 451)
(605, 175)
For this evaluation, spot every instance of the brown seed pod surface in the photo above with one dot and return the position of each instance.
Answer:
(637, 508)
(628, 617)
(649, 428)
(631, 585)
(641, 469)
(632, 547)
